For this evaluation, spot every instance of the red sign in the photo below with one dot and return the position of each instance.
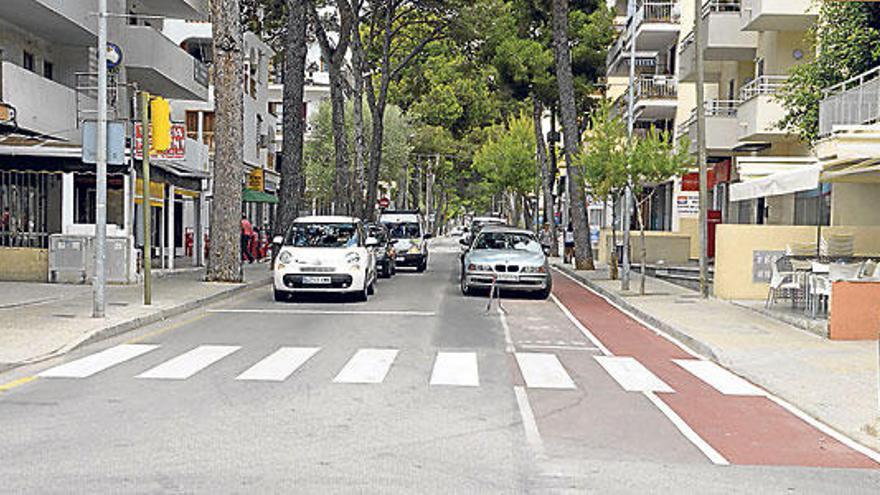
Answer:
(722, 171)
(713, 218)
(384, 203)
(177, 150)
(691, 180)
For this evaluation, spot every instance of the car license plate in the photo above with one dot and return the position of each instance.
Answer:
(401, 258)
(316, 280)
(508, 277)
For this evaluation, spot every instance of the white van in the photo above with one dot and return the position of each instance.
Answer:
(408, 231)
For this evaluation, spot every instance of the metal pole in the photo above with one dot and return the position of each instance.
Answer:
(145, 198)
(701, 150)
(99, 283)
(630, 125)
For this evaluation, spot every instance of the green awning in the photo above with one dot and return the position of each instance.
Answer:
(253, 196)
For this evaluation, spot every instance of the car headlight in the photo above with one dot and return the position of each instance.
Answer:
(534, 269)
(353, 258)
(285, 257)
(477, 267)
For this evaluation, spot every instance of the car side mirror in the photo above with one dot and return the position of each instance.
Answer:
(277, 240)
(371, 242)
(463, 242)
(546, 249)
(428, 236)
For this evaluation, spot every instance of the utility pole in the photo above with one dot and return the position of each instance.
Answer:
(701, 150)
(630, 125)
(100, 280)
(145, 197)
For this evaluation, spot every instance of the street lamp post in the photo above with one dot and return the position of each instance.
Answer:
(701, 150)
(99, 282)
(630, 124)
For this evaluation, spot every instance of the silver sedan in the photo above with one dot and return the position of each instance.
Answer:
(508, 259)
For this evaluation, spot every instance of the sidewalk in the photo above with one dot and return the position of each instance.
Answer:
(833, 381)
(38, 321)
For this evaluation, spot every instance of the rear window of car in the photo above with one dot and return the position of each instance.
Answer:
(323, 235)
(508, 241)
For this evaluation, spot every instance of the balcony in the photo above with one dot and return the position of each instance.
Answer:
(778, 15)
(760, 112)
(58, 21)
(161, 67)
(721, 127)
(724, 40)
(175, 9)
(853, 102)
(41, 105)
(656, 28)
(656, 98)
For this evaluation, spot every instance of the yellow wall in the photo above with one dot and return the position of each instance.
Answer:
(690, 227)
(855, 204)
(735, 244)
(24, 264)
(669, 247)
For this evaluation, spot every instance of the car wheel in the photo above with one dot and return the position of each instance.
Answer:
(361, 295)
(280, 295)
(464, 287)
(545, 293)
(423, 265)
(371, 289)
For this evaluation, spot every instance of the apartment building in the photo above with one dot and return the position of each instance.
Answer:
(652, 28)
(48, 78)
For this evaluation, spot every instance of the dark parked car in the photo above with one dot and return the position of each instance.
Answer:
(386, 254)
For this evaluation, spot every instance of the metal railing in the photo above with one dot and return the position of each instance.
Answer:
(764, 85)
(656, 86)
(712, 108)
(657, 12)
(855, 101)
(710, 6)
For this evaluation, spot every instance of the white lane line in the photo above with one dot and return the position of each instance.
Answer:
(279, 365)
(190, 362)
(533, 436)
(589, 335)
(367, 366)
(89, 365)
(559, 347)
(718, 378)
(541, 370)
(508, 340)
(688, 432)
(632, 375)
(316, 312)
(456, 368)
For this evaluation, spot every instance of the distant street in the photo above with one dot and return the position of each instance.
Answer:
(419, 390)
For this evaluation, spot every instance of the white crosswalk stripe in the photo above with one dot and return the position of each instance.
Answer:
(719, 378)
(456, 368)
(541, 370)
(279, 365)
(100, 361)
(632, 375)
(367, 366)
(190, 363)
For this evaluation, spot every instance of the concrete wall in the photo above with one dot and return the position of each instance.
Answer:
(855, 204)
(24, 264)
(735, 245)
(668, 247)
(690, 227)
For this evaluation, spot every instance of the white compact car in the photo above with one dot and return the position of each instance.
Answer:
(325, 254)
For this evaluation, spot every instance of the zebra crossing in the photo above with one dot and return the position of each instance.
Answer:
(371, 366)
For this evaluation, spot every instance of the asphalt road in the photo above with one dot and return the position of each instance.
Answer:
(419, 390)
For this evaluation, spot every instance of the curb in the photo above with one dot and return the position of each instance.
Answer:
(142, 321)
(696, 345)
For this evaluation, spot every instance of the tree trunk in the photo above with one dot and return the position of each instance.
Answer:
(293, 123)
(340, 142)
(357, 113)
(377, 104)
(568, 109)
(224, 260)
(546, 179)
(614, 261)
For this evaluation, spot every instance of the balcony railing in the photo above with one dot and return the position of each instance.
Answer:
(656, 86)
(855, 101)
(657, 12)
(712, 108)
(710, 6)
(764, 85)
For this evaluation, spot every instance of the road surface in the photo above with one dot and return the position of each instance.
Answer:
(419, 390)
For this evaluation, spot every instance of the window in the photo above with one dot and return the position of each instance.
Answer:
(323, 235)
(48, 70)
(28, 61)
(807, 206)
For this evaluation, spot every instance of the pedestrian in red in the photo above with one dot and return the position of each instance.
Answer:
(247, 232)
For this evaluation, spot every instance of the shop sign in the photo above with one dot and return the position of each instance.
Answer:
(255, 179)
(115, 142)
(762, 265)
(687, 204)
(177, 150)
(691, 180)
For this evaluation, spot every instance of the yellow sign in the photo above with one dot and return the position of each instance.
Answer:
(157, 193)
(255, 179)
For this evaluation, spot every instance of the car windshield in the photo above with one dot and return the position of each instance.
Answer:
(508, 240)
(323, 235)
(379, 234)
(404, 230)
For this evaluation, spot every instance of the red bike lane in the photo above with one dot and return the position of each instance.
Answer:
(744, 429)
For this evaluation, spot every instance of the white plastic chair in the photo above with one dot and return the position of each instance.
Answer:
(783, 282)
(844, 271)
(820, 293)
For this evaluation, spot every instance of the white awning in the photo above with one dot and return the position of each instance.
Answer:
(790, 181)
